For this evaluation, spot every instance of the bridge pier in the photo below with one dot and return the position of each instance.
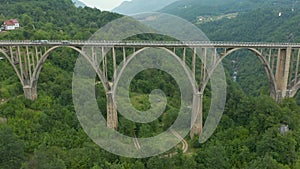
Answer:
(30, 92)
(278, 96)
(196, 119)
(112, 116)
(282, 73)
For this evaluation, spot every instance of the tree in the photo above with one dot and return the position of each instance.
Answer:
(46, 158)
(157, 163)
(267, 162)
(211, 157)
(280, 147)
(26, 19)
(11, 149)
(41, 34)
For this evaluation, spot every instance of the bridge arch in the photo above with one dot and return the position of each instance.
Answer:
(197, 97)
(295, 89)
(13, 65)
(42, 60)
(187, 72)
(262, 59)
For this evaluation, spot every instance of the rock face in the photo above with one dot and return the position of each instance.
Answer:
(141, 6)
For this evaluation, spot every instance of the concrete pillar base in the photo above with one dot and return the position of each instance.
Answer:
(30, 92)
(196, 120)
(112, 116)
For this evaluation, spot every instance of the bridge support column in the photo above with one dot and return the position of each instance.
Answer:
(30, 92)
(112, 116)
(282, 73)
(196, 119)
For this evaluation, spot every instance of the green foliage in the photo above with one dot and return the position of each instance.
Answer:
(280, 147)
(46, 158)
(255, 21)
(212, 157)
(11, 149)
(191, 9)
(46, 133)
(267, 162)
(43, 20)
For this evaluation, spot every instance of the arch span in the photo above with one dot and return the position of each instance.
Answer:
(14, 66)
(187, 72)
(42, 60)
(294, 88)
(262, 59)
(196, 116)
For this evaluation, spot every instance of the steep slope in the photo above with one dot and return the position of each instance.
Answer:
(244, 20)
(55, 19)
(262, 24)
(270, 20)
(140, 6)
(266, 24)
(191, 9)
(46, 133)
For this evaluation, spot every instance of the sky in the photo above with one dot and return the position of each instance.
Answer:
(106, 5)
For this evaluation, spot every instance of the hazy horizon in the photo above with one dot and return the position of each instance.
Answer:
(106, 5)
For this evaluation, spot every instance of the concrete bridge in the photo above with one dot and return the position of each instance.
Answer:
(280, 60)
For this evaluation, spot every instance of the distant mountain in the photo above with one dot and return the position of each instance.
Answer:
(192, 9)
(140, 6)
(78, 3)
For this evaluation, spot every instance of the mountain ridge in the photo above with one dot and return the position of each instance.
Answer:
(79, 3)
(191, 9)
(141, 6)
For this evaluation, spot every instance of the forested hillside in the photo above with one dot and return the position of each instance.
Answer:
(57, 19)
(244, 21)
(191, 9)
(46, 134)
(266, 24)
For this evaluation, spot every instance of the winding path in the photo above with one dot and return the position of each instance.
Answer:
(185, 145)
(136, 142)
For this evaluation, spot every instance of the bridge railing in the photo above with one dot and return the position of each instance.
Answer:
(147, 43)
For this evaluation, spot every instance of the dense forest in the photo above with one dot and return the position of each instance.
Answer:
(46, 134)
(52, 19)
(191, 9)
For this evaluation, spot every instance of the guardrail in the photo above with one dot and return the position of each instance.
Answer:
(148, 43)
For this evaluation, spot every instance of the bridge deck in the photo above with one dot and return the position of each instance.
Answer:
(212, 44)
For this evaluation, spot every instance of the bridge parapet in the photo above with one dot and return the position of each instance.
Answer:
(131, 43)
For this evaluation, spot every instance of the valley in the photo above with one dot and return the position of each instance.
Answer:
(46, 133)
